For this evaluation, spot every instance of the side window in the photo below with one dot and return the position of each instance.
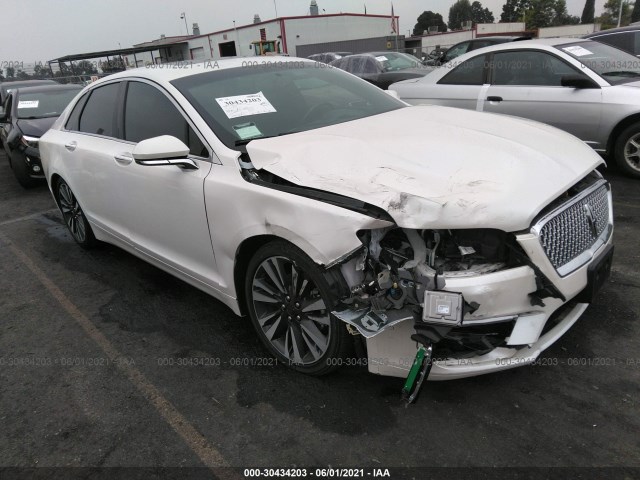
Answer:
(481, 44)
(469, 72)
(623, 41)
(99, 111)
(455, 51)
(73, 123)
(528, 68)
(149, 113)
(7, 106)
(370, 66)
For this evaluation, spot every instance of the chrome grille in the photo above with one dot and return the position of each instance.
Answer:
(576, 227)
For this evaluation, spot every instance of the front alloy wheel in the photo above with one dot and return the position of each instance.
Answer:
(73, 216)
(290, 306)
(627, 150)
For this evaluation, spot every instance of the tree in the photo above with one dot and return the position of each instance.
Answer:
(538, 13)
(459, 13)
(609, 18)
(635, 14)
(11, 72)
(84, 67)
(429, 19)
(513, 10)
(22, 75)
(562, 17)
(588, 12)
(41, 71)
(480, 14)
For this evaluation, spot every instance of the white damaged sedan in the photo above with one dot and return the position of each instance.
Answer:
(447, 242)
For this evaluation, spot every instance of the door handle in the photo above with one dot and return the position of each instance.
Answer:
(123, 158)
(71, 146)
(494, 99)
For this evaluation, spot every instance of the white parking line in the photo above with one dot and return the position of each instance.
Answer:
(28, 217)
(195, 440)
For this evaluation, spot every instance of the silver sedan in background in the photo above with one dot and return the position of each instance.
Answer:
(584, 87)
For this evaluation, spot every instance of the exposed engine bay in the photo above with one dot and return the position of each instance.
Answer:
(401, 275)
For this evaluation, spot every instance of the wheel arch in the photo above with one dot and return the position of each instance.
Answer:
(618, 129)
(246, 251)
(244, 254)
(55, 179)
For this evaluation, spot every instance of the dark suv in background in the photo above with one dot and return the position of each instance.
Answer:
(469, 45)
(624, 38)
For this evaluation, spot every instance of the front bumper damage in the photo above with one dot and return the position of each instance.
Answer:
(489, 309)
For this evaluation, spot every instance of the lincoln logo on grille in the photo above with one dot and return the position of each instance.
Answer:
(592, 221)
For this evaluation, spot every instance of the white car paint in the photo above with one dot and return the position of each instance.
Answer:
(589, 114)
(494, 159)
(428, 167)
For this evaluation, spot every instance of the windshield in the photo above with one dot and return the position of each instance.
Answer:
(242, 104)
(44, 104)
(393, 61)
(615, 66)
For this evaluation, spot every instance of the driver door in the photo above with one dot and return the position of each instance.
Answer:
(527, 83)
(165, 213)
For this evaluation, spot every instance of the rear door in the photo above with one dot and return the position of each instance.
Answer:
(460, 87)
(527, 83)
(92, 169)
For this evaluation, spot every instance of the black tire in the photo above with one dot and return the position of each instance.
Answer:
(74, 216)
(21, 171)
(627, 150)
(302, 336)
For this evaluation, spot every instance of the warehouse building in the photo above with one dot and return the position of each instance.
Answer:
(298, 36)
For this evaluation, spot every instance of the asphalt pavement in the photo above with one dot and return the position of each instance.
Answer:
(106, 361)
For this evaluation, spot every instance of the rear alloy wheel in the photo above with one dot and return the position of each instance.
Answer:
(73, 216)
(627, 151)
(290, 304)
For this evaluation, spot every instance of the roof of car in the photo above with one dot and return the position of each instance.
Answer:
(501, 38)
(48, 88)
(538, 42)
(630, 28)
(13, 83)
(167, 72)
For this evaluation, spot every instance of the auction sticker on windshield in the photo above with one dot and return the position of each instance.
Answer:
(245, 105)
(29, 104)
(577, 51)
(382, 58)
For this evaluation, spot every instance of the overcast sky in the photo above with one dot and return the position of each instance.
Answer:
(40, 30)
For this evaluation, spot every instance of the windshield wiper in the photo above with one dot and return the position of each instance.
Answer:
(622, 73)
(38, 117)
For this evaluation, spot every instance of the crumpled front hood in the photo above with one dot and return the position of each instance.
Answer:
(435, 167)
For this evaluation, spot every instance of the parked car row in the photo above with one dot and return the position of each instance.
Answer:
(587, 88)
(26, 114)
(333, 214)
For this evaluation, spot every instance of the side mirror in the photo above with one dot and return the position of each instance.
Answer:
(578, 81)
(162, 151)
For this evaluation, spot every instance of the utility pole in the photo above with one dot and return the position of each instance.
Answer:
(184, 16)
(620, 13)
(275, 7)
